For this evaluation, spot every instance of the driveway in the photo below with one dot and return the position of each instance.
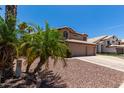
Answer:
(107, 61)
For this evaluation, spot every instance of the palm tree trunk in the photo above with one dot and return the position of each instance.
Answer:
(38, 68)
(27, 68)
(0, 8)
(40, 64)
(10, 14)
(0, 75)
(11, 10)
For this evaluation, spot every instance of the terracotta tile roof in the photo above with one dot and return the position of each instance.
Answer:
(108, 37)
(72, 30)
(100, 38)
(96, 39)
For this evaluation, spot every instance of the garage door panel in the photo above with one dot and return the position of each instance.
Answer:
(90, 50)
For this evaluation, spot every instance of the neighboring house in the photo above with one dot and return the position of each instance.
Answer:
(78, 43)
(122, 42)
(107, 44)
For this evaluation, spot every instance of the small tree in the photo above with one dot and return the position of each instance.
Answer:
(44, 44)
(23, 26)
(7, 37)
(51, 45)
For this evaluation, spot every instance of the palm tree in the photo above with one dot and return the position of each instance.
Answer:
(30, 29)
(23, 26)
(10, 16)
(43, 44)
(7, 37)
(51, 45)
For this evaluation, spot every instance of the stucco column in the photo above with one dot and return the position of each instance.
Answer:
(18, 67)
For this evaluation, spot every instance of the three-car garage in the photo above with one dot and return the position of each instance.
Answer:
(81, 48)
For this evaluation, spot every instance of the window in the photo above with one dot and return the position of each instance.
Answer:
(113, 37)
(119, 43)
(108, 43)
(84, 38)
(113, 41)
(65, 34)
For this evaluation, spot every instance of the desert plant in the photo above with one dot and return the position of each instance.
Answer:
(44, 44)
(22, 26)
(7, 37)
(30, 29)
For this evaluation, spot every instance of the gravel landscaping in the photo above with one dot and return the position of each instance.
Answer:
(79, 74)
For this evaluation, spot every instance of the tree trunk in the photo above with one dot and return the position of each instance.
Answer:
(39, 65)
(38, 68)
(11, 12)
(0, 75)
(27, 68)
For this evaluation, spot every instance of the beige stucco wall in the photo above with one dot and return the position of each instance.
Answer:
(122, 43)
(73, 35)
(120, 50)
(78, 49)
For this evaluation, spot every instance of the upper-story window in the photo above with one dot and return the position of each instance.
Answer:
(65, 34)
(84, 38)
(108, 43)
(113, 37)
(113, 42)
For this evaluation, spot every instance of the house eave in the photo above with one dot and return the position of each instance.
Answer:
(79, 41)
(117, 46)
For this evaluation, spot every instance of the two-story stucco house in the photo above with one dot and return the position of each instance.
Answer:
(77, 42)
(107, 44)
(122, 42)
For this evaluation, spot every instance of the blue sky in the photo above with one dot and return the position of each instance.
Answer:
(93, 20)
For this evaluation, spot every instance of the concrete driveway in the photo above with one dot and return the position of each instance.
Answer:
(107, 61)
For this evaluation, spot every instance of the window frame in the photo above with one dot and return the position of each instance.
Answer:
(65, 34)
